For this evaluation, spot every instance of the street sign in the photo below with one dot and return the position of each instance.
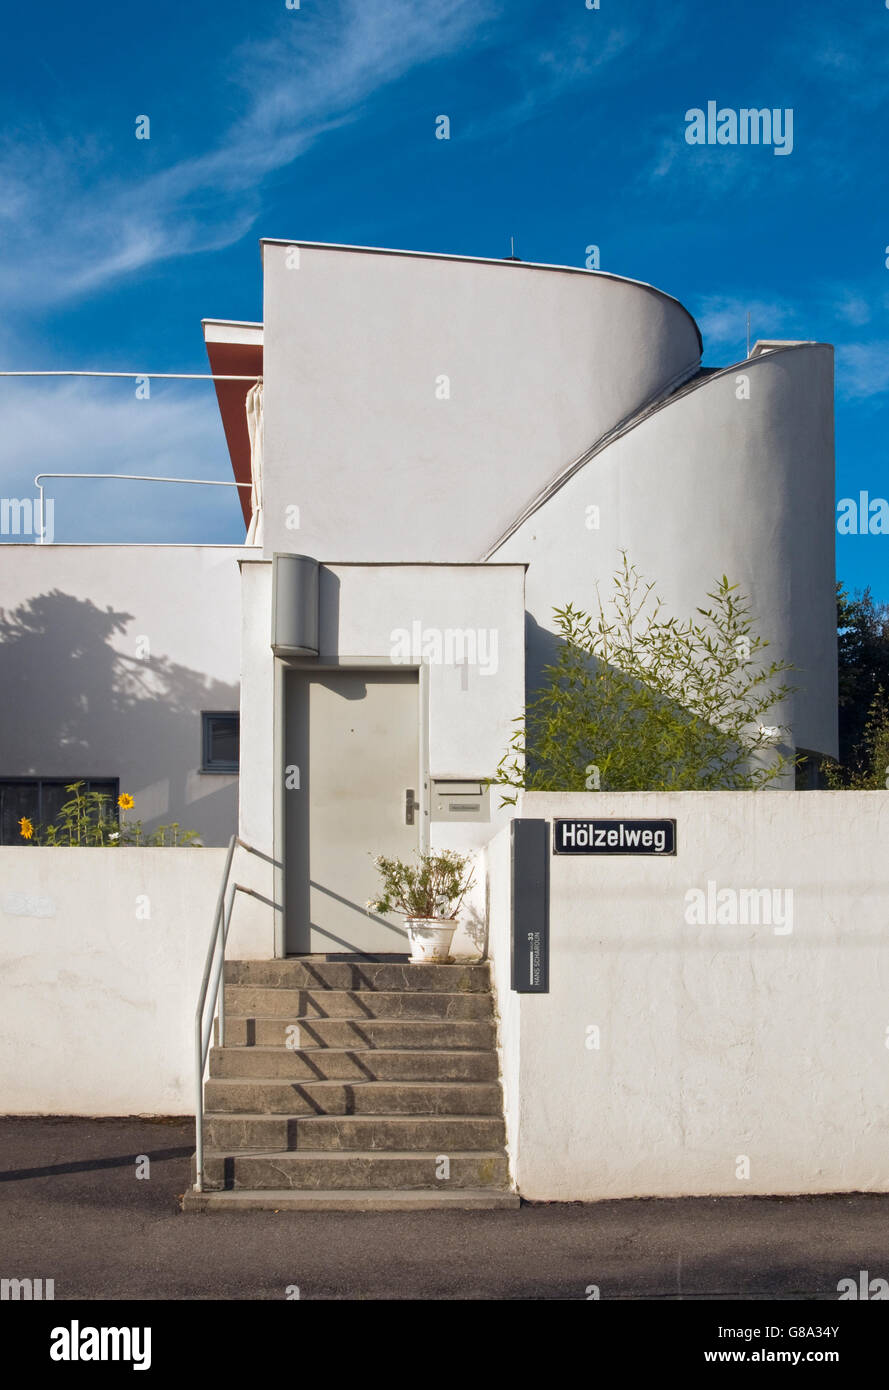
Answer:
(657, 837)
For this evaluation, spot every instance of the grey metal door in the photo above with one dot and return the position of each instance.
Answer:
(354, 736)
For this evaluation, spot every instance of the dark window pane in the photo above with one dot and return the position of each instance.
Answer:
(42, 801)
(108, 790)
(17, 799)
(53, 799)
(222, 740)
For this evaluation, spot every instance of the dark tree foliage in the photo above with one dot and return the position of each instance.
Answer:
(863, 661)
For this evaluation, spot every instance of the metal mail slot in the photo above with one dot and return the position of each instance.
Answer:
(466, 800)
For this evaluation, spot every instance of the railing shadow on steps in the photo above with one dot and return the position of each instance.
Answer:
(210, 989)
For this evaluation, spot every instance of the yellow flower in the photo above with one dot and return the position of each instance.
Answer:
(125, 801)
(27, 829)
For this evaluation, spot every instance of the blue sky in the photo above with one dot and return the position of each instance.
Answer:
(567, 128)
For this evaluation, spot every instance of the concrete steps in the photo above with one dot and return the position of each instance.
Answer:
(365, 1133)
(368, 1171)
(314, 973)
(354, 1085)
(292, 1004)
(352, 1098)
(271, 1199)
(357, 1064)
(383, 1033)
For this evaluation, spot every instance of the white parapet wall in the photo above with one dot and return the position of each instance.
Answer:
(682, 1050)
(101, 957)
(673, 1054)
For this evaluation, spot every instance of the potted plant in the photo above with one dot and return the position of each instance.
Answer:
(428, 895)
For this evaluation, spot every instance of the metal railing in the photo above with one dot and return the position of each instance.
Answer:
(124, 477)
(215, 967)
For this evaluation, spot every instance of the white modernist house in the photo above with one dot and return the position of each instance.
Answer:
(435, 451)
(451, 447)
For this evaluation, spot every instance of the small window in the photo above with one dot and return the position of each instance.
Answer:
(40, 800)
(221, 741)
(808, 776)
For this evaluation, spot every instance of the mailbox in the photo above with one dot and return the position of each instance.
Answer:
(465, 800)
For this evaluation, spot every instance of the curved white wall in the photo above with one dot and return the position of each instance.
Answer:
(540, 361)
(710, 484)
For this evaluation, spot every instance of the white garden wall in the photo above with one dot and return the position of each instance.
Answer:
(717, 1043)
(97, 999)
(723, 1048)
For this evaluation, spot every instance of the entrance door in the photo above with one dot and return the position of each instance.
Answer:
(354, 736)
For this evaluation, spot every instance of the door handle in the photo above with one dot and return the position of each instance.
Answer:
(410, 806)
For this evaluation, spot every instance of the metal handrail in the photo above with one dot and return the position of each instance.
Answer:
(202, 1035)
(124, 477)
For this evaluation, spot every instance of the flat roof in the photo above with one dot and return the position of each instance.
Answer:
(232, 331)
(477, 260)
(763, 345)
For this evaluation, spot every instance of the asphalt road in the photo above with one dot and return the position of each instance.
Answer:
(73, 1210)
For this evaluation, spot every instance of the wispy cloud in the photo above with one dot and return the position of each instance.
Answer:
(862, 365)
(853, 308)
(863, 369)
(586, 54)
(710, 171)
(831, 71)
(590, 53)
(295, 89)
(850, 49)
(723, 321)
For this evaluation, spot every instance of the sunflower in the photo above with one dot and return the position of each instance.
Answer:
(125, 801)
(27, 828)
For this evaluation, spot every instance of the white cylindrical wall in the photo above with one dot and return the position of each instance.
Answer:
(413, 404)
(715, 482)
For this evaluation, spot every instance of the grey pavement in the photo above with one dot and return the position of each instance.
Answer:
(74, 1211)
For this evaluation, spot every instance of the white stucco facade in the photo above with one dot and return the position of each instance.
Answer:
(108, 656)
(734, 476)
(414, 403)
(669, 1050)
(468, 709)
(427, 417)
(492, 410)
(450, 449)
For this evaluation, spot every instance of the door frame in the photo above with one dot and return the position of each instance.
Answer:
(306, 666)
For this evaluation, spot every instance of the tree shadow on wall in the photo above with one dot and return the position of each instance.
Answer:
(77, 702)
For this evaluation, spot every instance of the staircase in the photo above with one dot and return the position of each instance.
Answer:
(352, 1084)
